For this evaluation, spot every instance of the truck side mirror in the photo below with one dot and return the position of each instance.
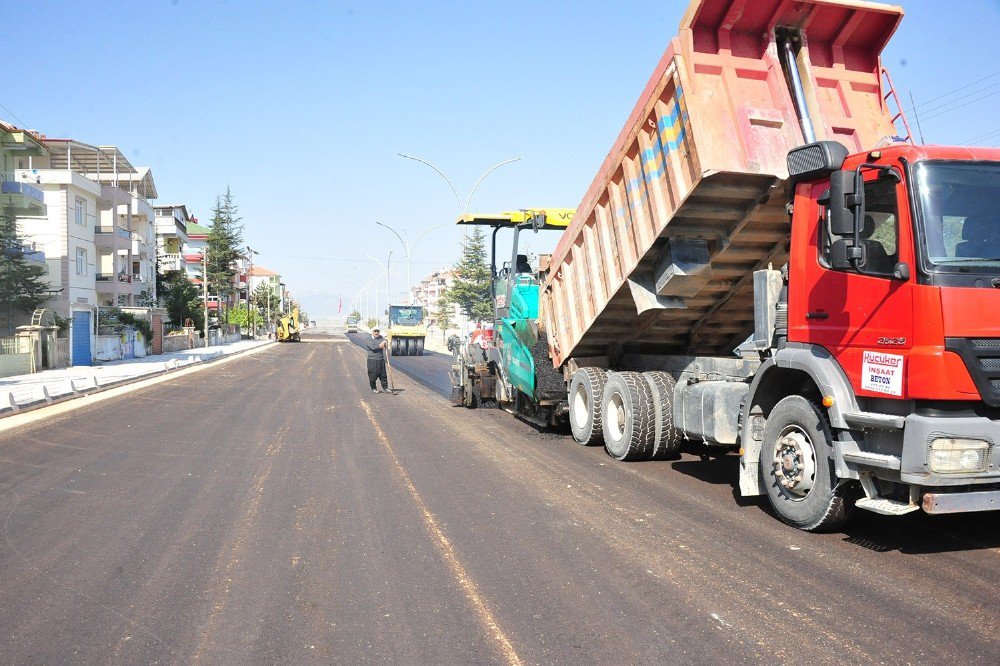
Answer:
(843, 203)
(842, 251)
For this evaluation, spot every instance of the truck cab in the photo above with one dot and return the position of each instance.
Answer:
(893, 275)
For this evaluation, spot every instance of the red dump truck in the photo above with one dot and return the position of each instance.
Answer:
(766, 261)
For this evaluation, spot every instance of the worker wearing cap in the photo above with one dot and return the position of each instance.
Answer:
(376, 360)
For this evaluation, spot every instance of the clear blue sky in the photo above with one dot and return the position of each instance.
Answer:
(302, 107)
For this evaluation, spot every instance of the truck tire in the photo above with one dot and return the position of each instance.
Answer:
(667, 438)
(420, 347)
(797, 467)
(586, 393)
(394, 346)
(627, 417)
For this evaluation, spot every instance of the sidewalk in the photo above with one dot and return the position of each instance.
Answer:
(26, 391)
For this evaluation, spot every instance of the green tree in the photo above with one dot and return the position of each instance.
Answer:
(182, 299)
(224, 246)
(238, 317)
(471, 289)
(22, 283)
(443, 315)
(266, 300)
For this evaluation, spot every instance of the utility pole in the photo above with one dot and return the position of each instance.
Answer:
(204, 291)
(388, 291)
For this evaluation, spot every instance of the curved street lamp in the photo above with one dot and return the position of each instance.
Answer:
(404, 239)
(464, 210)
(388, 292)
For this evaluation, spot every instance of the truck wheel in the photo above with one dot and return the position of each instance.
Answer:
(797, 466)
(586, 393)
(394, 347)
(420, 347)
(627, 417)
(411, 346)
(667, 438)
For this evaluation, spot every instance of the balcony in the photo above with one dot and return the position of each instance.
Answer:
(25, 199)
(120, 283)
(171, 262)
(140, 244)
(110, 237)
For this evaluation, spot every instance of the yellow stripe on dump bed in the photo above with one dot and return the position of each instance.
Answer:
(555, 218)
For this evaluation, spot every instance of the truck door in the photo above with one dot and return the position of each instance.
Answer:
(863, 317)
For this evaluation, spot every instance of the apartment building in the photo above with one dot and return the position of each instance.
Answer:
(428, 293)
(19, 197)
(97, 230)
(172, 236)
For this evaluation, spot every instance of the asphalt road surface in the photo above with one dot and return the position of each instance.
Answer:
(272, 509)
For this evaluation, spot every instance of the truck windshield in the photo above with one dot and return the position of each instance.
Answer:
(406, 316)
(959, 215)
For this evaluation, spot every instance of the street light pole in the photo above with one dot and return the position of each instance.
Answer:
(409, 253)
(204, 291)
(464, 210)
(250, 253)
(385, 267)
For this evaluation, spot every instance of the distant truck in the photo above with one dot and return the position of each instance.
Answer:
(766, 261)
(351, 325)
(407, 331)
(288, 327)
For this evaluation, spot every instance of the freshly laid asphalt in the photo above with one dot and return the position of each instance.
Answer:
(273, 509)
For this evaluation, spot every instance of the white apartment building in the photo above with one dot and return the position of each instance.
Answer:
(97, 232)
(428, 293)
(172, 236)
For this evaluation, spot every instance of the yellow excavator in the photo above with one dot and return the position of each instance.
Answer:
(288, 327)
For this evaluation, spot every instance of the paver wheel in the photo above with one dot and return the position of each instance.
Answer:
(586, 393)
(627, 417)
(394, 346)
(419, 347)
(666, 438)
(797, 467)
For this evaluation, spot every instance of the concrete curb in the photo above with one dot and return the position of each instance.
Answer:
(80, 388)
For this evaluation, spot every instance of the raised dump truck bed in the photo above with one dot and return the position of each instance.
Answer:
(691, 199)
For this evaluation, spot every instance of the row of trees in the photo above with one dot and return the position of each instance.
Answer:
(224, 249)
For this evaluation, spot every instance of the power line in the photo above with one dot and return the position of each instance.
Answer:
(958, 99)
(973, 101)
(951, 92)
(14, 116)
(342, 259)
(981, 137)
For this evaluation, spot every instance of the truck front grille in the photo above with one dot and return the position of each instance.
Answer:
(982, 360)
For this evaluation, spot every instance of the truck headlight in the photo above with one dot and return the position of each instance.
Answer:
(951, 455)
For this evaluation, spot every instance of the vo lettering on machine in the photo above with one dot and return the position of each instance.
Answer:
(882, 373)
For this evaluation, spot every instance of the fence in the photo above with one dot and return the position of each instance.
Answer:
(124, 345)
(15, 356)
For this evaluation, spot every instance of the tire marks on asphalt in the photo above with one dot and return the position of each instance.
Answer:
(447, 550)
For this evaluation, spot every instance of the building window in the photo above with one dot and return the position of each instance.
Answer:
(81, 211)
(81, 261)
